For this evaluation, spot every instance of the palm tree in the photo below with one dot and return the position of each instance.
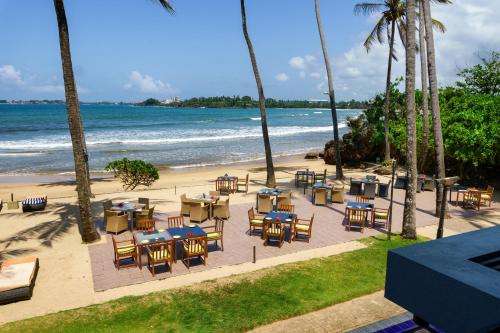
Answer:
(331, 93)
(436, 114)
(271, 180)
(409, 225)
(425, 88)
(87, 227)
(393, 15)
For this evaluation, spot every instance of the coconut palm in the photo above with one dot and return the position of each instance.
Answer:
(87, 227)
(425, 87)
(392, 17)
(436, 114)
(331, 93)
(409, 223)
(271, 180)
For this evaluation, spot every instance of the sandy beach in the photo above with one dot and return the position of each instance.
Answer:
(65, 277)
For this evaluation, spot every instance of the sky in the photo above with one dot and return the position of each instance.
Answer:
(132, 50)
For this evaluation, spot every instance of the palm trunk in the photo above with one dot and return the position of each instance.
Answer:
(436, 113)
(425, 90)
(331, 93)
(87, 227)
(387, 102)
(409, 225)
(271, 180)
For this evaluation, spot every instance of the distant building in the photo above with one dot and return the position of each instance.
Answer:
(172, 100)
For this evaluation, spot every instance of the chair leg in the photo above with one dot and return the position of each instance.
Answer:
(222, 245)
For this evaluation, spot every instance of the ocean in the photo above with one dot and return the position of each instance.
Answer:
(34, 138)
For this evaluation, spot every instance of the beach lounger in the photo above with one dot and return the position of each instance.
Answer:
(34, 204)
(17, 279)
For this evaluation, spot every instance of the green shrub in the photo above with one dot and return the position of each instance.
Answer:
(133, 173)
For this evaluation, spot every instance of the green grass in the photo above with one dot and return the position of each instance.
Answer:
(235, 304)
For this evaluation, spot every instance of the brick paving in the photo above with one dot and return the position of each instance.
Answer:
(328, 229)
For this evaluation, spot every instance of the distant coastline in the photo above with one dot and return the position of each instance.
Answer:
(243, 102)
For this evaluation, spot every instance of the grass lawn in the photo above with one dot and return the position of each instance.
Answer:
(237, 304)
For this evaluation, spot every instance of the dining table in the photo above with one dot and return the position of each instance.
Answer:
(273, 192)
(146, 238)
(322, 185)
(209, 200)
(360, 205)
(283, 217)
(128, 208)
(304, 177)
(185, 232)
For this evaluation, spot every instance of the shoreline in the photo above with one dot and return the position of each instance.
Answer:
(53, 177)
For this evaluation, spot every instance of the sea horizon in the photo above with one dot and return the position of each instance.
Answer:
(34, 138)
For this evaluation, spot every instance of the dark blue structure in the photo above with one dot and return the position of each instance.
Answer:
(452, 283)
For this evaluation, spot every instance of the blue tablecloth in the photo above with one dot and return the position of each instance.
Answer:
(359, 205)
(151, 237)
(183, 232)
(271, 191)
(283, 216)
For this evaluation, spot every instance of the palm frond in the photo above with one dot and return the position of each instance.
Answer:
(438, 25)
(402, 31)
(367, 8)
(167, 4)
(376, 34)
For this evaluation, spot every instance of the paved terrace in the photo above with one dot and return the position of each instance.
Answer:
(328, 229)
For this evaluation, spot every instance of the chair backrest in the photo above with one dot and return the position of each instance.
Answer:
(219, 225)
(161, 249)
(151, 212)
(144, 223)
(356, 214)
(247, 178)
(490, 189)
(371, 177)
(108, 213)
(362, 199)
(285, 198)
(273, 224)
(193, 242)
(369, 190)
(183, 197)
(175, 221)
(251, 214)
(145, 202)
(286, 208)
(107, 204)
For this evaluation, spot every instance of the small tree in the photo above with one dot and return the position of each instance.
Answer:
(133, 173)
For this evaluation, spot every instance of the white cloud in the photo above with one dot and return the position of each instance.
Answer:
(310, 58)
(302, 74)
(147, 84)
(9, 75)
(297, 63)
(315, 75)
(282, 77)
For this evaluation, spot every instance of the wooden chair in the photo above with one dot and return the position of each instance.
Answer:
(320, 177)
(356, 217)
(265, 203)
(284, 198)
(380, 215)
(338, 194)
(473, 198)
(116, 222)
(145, 202)
(124, 249)
(175, 221)
(144, 223)
(320, 197)
(286, 208)
(369, 190)
(221, 209)
(199, 212)
(255, 221)
(243, 183)
(303, 227)
(215, 232)
(362, 199)
(160, 253)
(195, 247)
(487, 196)
(429, 184)
(223, 187)
(274, 229)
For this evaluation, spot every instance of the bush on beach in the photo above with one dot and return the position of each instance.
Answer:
(133, 173)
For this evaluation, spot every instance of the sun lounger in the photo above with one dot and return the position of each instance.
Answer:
(17, 279)
(34, 204)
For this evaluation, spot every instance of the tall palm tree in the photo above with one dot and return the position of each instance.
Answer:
(87, 227)
(409, 223)
(436, 113)
(425, 87)
(331, 93)
(271, 180)
(392, 16)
